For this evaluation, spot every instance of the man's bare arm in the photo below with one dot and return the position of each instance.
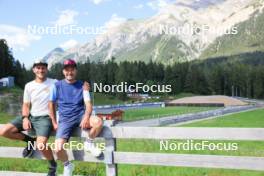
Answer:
(25, 115)
(52, 113)
(88, 109)
(25, 109)
(86, 119)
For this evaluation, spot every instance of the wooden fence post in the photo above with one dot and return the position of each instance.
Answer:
(110, 147)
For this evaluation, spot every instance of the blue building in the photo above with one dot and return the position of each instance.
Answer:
(7, 81)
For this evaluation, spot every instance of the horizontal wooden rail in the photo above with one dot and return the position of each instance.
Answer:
(161, 159)
(16, 152)
(208, 133)
(188, 160)
(186, 133)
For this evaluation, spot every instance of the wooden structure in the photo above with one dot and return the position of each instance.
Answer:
(115, 115)
(112, 157)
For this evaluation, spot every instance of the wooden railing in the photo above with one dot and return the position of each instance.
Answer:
(112, 157)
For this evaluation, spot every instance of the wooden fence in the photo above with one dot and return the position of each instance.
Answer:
(112, 157)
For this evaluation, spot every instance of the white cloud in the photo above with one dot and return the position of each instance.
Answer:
(188, 2)
(157, 4)
(139, 6)
(66, 17)
(115, 21)
(18, 38)
(69, 44)
(86, 13)
(96, 2)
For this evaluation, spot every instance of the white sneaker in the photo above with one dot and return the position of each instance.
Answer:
(68, 170)
(90, 147)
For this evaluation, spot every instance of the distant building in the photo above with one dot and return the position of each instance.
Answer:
(7, 81)
(136, 95)
(111, 115)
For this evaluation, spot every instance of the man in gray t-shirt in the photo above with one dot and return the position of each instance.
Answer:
(35, 116)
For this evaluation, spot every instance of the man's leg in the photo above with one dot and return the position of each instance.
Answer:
(60, 152)
(96, 127)
(63, 134)
(47, 153)
(43, 127)
(42, 146)
(63, 156)
(13, 131)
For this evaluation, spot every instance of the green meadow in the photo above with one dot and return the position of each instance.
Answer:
(150, 113)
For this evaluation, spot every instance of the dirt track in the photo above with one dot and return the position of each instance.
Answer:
(227, 101)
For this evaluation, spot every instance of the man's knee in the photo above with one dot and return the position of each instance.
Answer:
(97, 122)
(2, 132)
(42, 143)
(59, 146)
(59, 149)
(6, 130)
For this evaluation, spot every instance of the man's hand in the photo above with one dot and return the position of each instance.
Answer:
(55, 125)
(85, 123)
(86, 86)
(26, 124)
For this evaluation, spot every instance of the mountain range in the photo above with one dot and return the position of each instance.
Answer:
(181, 31)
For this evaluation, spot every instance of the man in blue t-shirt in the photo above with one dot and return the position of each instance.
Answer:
(75, 110)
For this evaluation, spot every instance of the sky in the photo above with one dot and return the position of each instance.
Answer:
(34, 28)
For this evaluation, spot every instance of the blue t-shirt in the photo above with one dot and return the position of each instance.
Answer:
(70, 99)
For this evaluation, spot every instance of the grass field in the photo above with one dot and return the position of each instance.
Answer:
(104, 99)
(245, 148)
(250, 119)
(15, 91)
(149, 113)
(92, 169)
(4, 117)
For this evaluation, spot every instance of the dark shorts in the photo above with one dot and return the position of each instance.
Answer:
(41, 125)
(65, 129)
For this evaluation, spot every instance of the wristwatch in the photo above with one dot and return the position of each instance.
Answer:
(23, 117)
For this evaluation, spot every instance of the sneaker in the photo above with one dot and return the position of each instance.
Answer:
(68, 170)
(90, 147)
(52, 173)
(52, 170)
(28, 151)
